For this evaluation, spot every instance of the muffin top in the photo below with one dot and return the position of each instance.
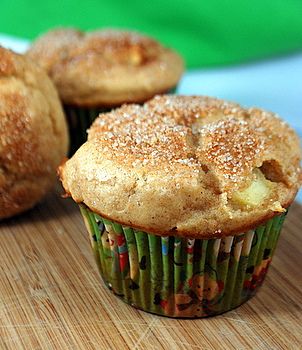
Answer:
(33, 133)
(192, 166)
(106, 67)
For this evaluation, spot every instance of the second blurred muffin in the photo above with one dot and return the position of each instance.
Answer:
(100, 70)
(33, 133)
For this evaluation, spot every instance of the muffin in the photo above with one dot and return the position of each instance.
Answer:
(184, 199)
(33, 133)
(100, 70)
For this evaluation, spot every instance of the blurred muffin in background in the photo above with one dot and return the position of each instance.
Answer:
(100, 70)
(33, 133)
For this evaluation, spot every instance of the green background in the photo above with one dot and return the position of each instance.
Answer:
(206, 33)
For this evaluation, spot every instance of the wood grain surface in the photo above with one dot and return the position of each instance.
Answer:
(51, 295)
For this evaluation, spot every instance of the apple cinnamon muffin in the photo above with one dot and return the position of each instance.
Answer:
(33, 133)
(184, 198)
(96, 71)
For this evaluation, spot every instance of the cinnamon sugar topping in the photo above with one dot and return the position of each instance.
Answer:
(197, 167)
(184, 131)
(111, 46)
(107, 67)
(232, 145)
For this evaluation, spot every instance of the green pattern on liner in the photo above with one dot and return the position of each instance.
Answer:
(181, 277)
(156, 274)
(178, 262)
(95, 238)
(243, 263)
(223, 259)
(277, 225)
(166, 267)
(189, 262)
(202, 260)
(172, 91)
(144, 267)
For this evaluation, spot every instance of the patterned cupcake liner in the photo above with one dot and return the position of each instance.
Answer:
(80, 119)
(179, 277)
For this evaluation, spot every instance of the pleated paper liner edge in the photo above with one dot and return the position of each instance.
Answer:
(179, 277)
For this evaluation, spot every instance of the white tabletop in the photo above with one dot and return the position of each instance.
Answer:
(274, 84)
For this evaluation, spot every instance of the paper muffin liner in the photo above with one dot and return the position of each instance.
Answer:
(79, 119)
(180, 277)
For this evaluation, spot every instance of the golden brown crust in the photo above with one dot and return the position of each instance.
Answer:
(247, 226)
(33, 133)
(173, 165)
(106, 67)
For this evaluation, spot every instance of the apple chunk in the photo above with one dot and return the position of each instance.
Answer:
(255, 193)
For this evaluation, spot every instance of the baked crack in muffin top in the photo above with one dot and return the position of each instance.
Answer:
(189, 165)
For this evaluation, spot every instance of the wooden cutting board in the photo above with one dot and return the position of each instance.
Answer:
(51, 295)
